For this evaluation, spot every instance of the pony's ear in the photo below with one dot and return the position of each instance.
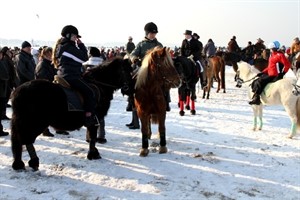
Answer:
(164, 51)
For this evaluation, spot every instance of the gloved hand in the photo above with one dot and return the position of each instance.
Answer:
(137, 62)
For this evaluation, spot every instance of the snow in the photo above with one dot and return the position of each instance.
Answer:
(212, 155)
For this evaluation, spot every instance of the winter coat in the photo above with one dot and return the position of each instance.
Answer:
(4, 76)
(278, 63)
(209, 49)
(45, 70)
(129, 47)
(13, 80)
(233, 46)
(25, 67)
(142, 47)
(191, 47)
(71, 58)
(93, 61)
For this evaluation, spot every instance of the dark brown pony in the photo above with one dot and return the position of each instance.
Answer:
(214, 70)
(156, 76)
(38, 104)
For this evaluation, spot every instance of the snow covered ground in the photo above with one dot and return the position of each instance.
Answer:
(212, 155)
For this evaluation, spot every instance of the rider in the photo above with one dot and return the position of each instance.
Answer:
(68, 56)
(136, 56)
(295, 51)
(190, 47)
(277, 68)
(233, 46)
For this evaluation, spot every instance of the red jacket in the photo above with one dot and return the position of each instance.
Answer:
(275, 59)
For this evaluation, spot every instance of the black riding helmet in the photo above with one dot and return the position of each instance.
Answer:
(69, 29)
(150, 28)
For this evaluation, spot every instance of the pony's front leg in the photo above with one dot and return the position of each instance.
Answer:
(162, 135)
(257, 117)
(34, 160)
(145, 130)
(293, 130)
(93, 152)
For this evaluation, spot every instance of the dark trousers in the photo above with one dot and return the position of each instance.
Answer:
(87, 93)
(2, 107)
(259, 84)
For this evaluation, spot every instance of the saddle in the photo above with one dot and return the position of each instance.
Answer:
(74, 97)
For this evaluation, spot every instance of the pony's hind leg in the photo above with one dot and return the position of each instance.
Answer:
(34, 160)
(16, 147)
(162, 135)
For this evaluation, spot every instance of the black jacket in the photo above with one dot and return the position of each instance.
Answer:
(45, 70)
(25, 67)
(189, 48)
(71, 58)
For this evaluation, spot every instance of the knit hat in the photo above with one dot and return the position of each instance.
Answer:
(25, 44)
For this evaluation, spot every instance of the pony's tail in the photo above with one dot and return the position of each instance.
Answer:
(298, 112)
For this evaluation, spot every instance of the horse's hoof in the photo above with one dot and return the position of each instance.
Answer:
(34, 163)
(18, 165)
(290, 136)
(93, 155)
(193, 112)
(187, 107)
(181, 113)
(163, 149)
(101, 140)
(144, 152)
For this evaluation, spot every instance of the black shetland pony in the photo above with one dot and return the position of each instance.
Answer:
(187, 70)
(39, 103)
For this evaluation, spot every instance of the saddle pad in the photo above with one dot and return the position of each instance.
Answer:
(268, 89)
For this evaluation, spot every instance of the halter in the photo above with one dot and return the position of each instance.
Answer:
(164, 76)
(296, 90)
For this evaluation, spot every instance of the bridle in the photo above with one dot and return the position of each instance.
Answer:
(296, 90)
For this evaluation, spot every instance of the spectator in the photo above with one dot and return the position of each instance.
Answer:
(95, 58)
(129, 46)
(4, 76)
(25, 64)
(12, 81)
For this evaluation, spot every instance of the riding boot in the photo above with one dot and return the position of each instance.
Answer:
(135, 119)
(255, 100)
(129, 105)
(168, 100)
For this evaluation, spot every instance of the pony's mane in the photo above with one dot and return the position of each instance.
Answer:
(149, 60)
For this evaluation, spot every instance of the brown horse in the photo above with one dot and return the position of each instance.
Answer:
(214, 70)
(155, 77)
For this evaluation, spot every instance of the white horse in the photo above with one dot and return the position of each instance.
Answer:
(277, 93)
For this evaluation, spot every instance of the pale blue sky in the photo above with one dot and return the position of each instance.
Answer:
(114, 20)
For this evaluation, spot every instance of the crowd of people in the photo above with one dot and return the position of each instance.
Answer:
(69, 58)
